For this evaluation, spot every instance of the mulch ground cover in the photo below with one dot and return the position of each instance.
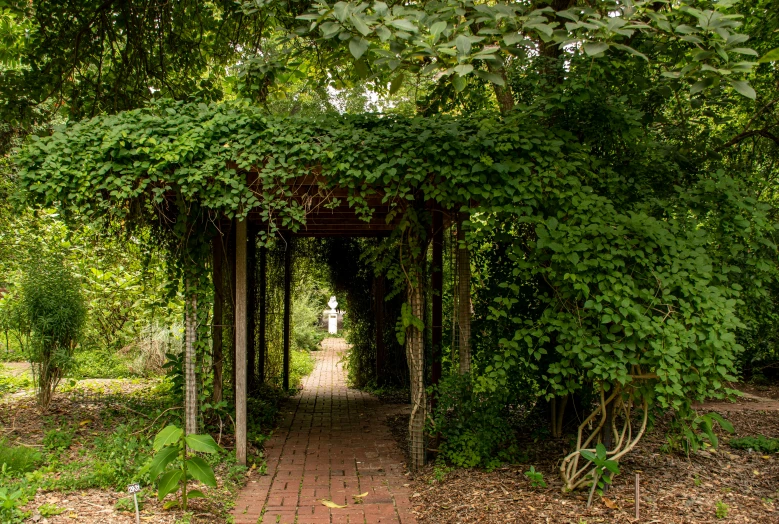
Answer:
(674, 488)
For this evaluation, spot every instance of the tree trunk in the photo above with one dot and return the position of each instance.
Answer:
(416, 365)
(463, 299)
(190, 379)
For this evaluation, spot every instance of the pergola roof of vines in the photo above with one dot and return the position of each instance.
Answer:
(342, 174)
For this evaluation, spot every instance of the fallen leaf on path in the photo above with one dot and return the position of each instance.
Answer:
(609, 503)
(331, 504)
(361, 495)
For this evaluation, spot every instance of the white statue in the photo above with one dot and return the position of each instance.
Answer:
(332, 324)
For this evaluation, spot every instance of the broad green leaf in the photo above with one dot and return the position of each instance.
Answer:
(589, 455)
(169, 483)
(403, 24)
(744, 51)
(161, 460)
(167, 436)
(595, 48)
(512, 38)
(201, 443)
(358, 46)
(340, 10)
(195, 494)
(200, 470)
(723, 422)
(771, 56)
(438, 28)
(463, 69)
(699, 86)
(459, 83)
(463, 44)
(396, 83)
(743, 88)
(360, 25)
(491, 77)
(600, 449)
(384, 33)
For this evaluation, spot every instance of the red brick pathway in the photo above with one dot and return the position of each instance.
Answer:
(331, 444)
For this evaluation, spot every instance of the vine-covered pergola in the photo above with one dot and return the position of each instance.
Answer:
(192, 172)
(613, 290)
(329, 215)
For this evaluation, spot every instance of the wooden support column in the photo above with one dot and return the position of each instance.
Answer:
(217, 278)
(190, 378)
(287, 310)
(381, 350)
(437, 281)
(240, 341)
(231, 265)
(251, 309)
(416, 364)
(464, 298)
(263, 299)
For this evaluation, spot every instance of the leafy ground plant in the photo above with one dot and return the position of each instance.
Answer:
(758, 443)
(604, 469)
(18, 459)
(536, 478)
(171, 447)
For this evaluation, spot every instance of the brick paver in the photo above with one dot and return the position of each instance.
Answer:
(332, 444)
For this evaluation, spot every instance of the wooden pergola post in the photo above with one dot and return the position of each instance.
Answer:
(381, 350)
(437, 282)
(416, 365)
(190, 355)
(262, 348)
(251, 308)
(241, 332)
(217, 254)
(464, 297)
(231, 265)
(287, 311)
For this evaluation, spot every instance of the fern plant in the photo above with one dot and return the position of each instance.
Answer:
(174, 466)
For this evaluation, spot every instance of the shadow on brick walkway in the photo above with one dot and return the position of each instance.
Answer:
(331, 444)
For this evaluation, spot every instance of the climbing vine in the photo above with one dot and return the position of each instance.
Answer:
(626, 296)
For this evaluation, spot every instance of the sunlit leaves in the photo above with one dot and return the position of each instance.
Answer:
(438, 38)
(771, 56)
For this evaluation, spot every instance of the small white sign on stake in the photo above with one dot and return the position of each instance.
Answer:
(134, 489)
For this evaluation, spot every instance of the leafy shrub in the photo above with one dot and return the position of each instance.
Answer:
(301, 364)
(758, 443)
(10, 506)
(58, 439)
(174, 466)
(473, 425)
(97, 363)
(11, 384)
(305, 320)
(18, 459)
(54, 307)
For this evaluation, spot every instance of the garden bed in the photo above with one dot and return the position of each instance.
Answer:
(724, 485)
(93, 441)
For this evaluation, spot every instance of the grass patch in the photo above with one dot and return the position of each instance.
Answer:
(17, 460)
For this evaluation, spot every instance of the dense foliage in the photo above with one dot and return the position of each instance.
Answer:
(622, 199)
